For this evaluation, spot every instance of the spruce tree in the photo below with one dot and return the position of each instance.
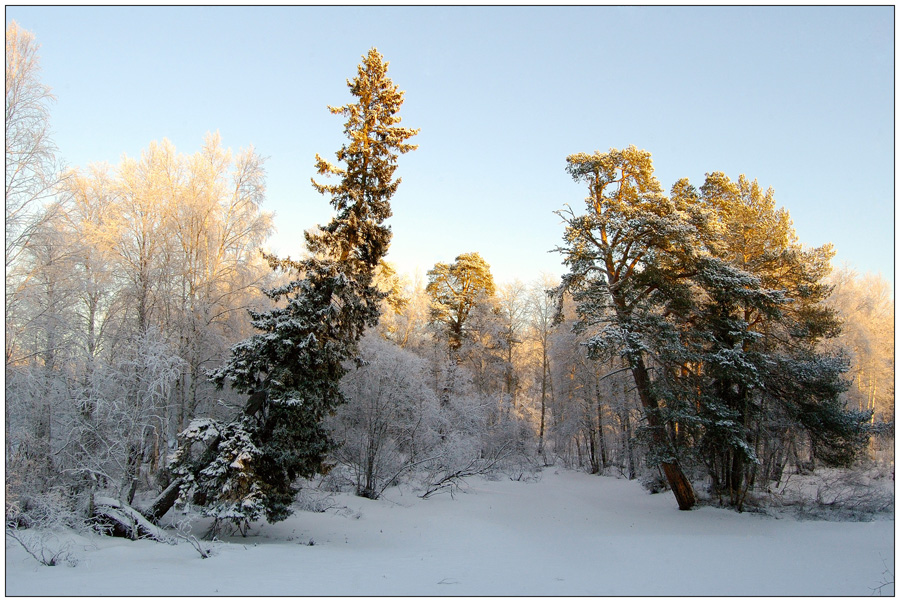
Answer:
(291, 369)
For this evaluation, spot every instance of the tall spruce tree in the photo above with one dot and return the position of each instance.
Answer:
(292, 368)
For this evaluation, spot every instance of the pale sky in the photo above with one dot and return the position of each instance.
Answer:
(799, 98)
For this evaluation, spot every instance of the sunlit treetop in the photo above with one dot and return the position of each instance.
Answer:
(369, 159)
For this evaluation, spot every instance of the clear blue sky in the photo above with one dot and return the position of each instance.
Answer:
(799, 98)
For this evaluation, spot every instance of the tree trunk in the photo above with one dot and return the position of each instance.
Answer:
(543, 400)
(130, 479)
(629, 449)
(163, 502)
(603, 458)
(681, 487)
(592, 447)
(121, 520)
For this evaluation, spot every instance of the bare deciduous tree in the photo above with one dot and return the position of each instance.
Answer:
(31, 170)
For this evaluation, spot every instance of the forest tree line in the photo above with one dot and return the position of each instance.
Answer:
(155, 355)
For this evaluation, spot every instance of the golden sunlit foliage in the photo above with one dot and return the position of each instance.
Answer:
(455, 289)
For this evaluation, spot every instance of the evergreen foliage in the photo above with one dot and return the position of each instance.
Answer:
(761, 320)
(711, 292)
(628, 254)
(292, 368)
(222, 476)
(455, 290)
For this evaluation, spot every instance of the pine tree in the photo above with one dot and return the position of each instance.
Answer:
(632, 247)
(455, 289)
(759, 319)
(711, 375)
(711, 292)
(739, 369)
(292, 368)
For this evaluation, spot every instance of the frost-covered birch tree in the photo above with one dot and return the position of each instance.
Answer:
(32, 172)
(389, 424)
(31, 168)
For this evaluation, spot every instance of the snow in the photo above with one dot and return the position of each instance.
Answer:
(126, 515)
(567, 534)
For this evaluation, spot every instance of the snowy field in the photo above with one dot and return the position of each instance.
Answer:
(568, 534)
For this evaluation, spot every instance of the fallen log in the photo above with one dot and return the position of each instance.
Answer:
(121, 520)
(163, 501)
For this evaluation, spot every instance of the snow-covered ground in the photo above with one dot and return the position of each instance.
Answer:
(568, 534)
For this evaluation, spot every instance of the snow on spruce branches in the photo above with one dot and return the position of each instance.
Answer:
(292, 368)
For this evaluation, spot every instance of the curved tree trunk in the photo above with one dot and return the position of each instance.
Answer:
(681, 487)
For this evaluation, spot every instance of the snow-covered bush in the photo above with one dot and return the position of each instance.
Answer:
(654, 482)
(513, 441)
(457, 458)
(39, 524)
(183, 528)
(311, 499)
(857, 494)
(388, 424)
(37, 409)
(471, 439)
(44, 545)
(122, 421)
